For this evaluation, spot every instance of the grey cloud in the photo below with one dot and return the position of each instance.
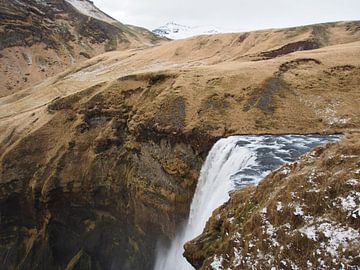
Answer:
(231, 14)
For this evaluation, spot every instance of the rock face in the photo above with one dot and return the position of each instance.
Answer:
(100, 161)
(41, 38)
(309, 207)
(83, 192)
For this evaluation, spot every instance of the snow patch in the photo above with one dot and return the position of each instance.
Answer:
(217, 263)
(351, 204)
(310, 232)
(177, 31)
(237, 238)
(329, 114)
(312, 176)
(88, 9)
(314, 190)
(231, 220)
(293, 195)
(285, 170)
(343, 157)
(352, 182)
(298, 211)
(237, 258)
(336, 236)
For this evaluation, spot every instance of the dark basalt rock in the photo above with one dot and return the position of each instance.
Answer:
(32, 22)
(291, 47)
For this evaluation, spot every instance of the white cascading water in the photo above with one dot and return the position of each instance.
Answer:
(232, 163)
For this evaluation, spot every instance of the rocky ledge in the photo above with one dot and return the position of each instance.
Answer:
(94, 189)
(303, 215)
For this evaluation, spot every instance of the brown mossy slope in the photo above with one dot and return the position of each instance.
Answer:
(303, 215)
(83, 189)
(39, 39)
(100, 161)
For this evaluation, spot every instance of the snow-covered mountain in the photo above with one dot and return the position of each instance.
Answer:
(87, 8)
(177, 31)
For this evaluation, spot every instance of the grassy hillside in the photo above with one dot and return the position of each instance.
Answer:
(101, 160)
(303, 215)
(39, 39)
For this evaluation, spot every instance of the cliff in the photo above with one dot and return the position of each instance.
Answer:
(303, 215)
(101, 160)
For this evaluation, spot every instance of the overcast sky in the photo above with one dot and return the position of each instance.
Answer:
(230, 14)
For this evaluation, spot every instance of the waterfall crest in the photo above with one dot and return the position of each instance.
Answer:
(232, 163)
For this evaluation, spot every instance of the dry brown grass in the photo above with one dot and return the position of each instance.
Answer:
(317, 98)
(124, 134)
(317, 183)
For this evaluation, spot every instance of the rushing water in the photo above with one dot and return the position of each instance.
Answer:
(232, 163)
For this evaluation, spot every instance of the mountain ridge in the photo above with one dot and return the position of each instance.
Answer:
(38, 39)
(173, 30)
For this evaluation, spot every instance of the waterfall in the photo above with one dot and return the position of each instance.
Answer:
(232, 163)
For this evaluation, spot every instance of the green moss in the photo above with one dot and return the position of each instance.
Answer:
(210, 242)
(112, 44)
(296, 31)
(245, 213)
(263, 96)
(321, 33)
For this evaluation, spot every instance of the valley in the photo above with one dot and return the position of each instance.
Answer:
(100, 156)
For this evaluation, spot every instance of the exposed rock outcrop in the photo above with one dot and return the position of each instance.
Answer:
(38, 39)
(303, 215)
(84, 190)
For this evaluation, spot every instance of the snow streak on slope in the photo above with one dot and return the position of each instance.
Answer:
(88, 9)
(232, 163)
(177, 31)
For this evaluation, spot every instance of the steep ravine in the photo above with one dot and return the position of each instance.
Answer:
(85, 192)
